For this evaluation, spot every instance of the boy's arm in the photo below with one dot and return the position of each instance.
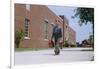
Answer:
(60, 32)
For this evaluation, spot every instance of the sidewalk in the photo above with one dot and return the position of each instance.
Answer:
(77, 49)
(47, 56)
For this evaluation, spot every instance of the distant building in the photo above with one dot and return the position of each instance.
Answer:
(37, 23)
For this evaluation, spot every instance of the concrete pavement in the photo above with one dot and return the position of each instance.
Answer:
(47, 56)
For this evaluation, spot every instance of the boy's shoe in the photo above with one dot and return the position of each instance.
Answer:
(57, 52)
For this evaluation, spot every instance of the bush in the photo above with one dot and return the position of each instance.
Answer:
(67, 44)
(73, 45)
(18, 37)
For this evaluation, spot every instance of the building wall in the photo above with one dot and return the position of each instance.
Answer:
(38, 15)
(71, 36)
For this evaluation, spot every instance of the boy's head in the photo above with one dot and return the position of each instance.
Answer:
(56, 23)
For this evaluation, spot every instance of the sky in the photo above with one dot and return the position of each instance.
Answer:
(82, 32)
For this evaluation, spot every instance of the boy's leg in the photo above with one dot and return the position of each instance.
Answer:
(57, 50)
(60, 43)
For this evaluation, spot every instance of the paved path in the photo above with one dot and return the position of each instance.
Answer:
(47, 56)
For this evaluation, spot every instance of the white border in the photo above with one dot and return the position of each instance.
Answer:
(5, 27)
(56, 2)
(77, 3)
(12, 36)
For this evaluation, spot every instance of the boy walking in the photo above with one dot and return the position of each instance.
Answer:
(56, 35)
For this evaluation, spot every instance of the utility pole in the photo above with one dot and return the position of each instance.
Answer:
(63, 29)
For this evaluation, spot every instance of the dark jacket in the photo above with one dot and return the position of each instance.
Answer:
(57, 33)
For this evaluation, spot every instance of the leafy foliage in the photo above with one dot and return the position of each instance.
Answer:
(85, 14)
(18, 37)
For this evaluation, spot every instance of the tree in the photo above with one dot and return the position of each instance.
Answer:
(18, 37)
(91, 40)
(85, 15)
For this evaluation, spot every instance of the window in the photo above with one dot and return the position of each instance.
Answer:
(52, 24)
(28, 7)
(46, 29)
(27, 21)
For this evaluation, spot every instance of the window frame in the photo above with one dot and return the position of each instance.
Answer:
(26, 28)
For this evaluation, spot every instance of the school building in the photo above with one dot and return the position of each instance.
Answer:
(37, 23)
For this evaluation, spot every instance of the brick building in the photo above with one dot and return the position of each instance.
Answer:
(37, 23)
